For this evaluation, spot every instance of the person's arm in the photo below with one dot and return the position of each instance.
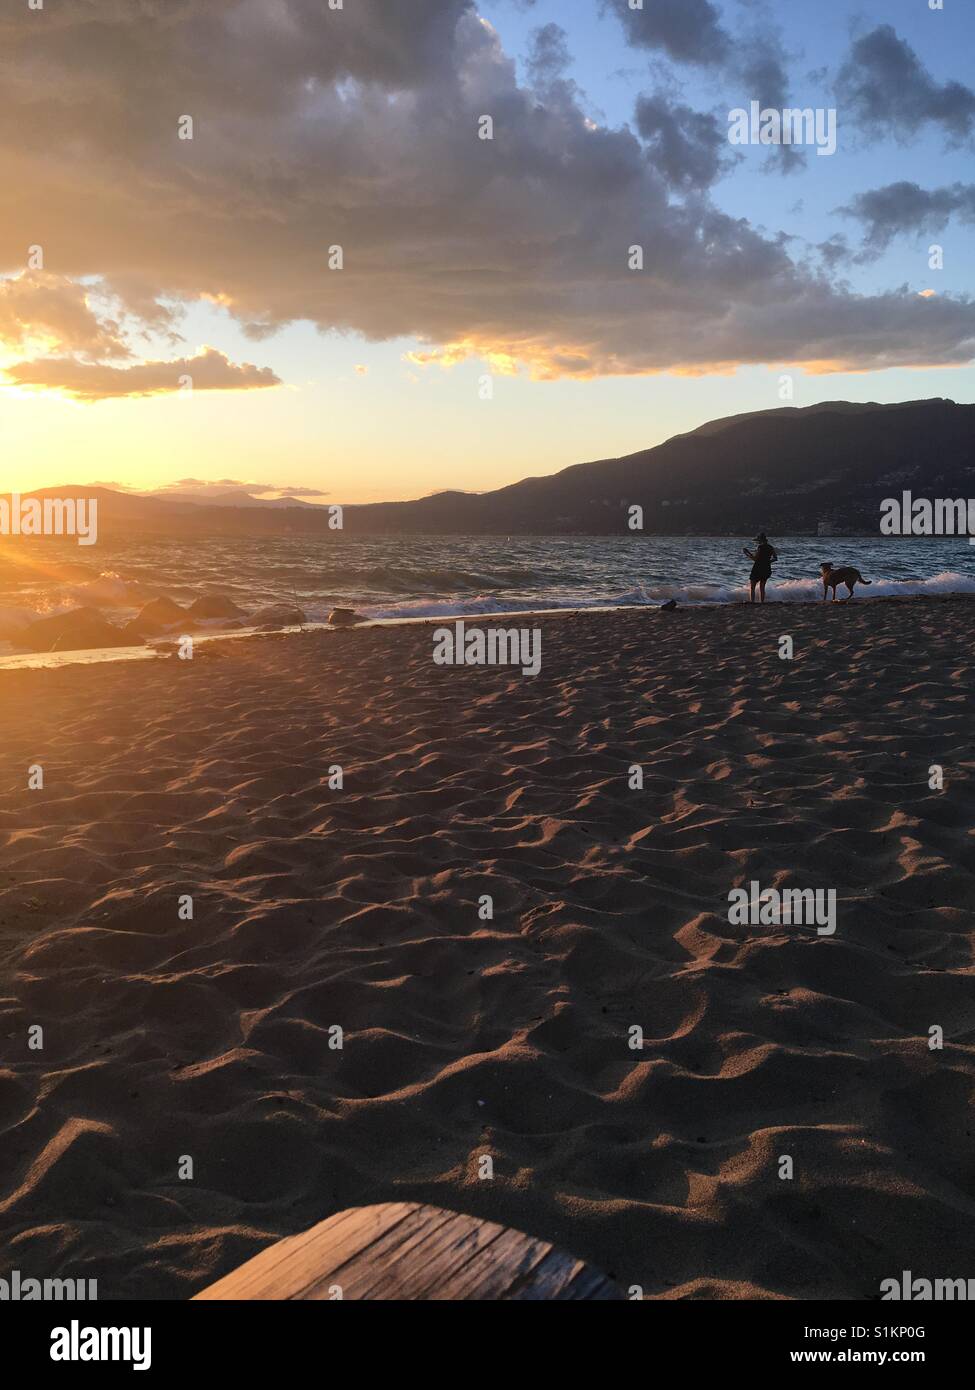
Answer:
(775, 553)
(748, 552)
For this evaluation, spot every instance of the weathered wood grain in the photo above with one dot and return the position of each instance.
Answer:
(401, 1250)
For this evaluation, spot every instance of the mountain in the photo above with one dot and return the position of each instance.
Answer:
(179, 514)
(783, 471)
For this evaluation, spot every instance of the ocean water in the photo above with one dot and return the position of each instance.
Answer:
(409, 577)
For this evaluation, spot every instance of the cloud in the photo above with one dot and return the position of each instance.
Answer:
(358, 127)
(689, 149)
(209, 487)
(906, 208)
(759, 64)
(888, 91)
(53, 310)
(224, 487)
(753, 63)
(209, 370)
(689, 31)
(548, 56)
(835, 251)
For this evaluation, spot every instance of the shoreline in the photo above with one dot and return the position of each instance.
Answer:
(158, 648)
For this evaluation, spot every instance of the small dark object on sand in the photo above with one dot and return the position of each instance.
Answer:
(669, 606)
(343, 617)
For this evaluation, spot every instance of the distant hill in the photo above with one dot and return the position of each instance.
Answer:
(783, 471)
(216, 515)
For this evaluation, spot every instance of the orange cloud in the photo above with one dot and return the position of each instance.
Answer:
(209, 370)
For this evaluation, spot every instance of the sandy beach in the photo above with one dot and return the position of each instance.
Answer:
(318, 907)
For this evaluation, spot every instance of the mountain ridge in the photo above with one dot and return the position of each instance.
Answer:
(785, 470)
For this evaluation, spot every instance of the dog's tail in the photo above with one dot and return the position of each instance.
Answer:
(861, 580)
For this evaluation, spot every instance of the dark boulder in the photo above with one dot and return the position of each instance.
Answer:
(277, 615)
(161, 613)
(215, 606)
(343, 617)
(80, 630)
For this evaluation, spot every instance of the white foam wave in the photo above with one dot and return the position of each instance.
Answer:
(781, 591)
(449, 608)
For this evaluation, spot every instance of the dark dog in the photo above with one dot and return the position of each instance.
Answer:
(846, 574)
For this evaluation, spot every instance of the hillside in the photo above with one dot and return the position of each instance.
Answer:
(782, 470)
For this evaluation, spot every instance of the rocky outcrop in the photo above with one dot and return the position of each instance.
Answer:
(160, 613)
(80, 630)
(344, 617)
(215, 606)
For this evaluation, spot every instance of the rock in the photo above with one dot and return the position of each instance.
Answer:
(80, 630)
(215, 606)
(145, 627)
(669, 606)
(278, 615)
(162, 613)
(343, 617)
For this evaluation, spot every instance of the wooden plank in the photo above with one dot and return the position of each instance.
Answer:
(510, 1257)
(403, 1250)
(441, 1257)
(386, 1267)
(290, 1265)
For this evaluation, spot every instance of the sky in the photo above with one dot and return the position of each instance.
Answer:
(180, 173)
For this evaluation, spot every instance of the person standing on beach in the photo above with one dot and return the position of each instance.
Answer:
(762, 559)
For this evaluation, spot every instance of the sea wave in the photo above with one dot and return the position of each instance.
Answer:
(690, 595)
(402, 578)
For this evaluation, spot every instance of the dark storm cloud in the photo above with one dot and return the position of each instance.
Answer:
(358, 127)
(888, 91)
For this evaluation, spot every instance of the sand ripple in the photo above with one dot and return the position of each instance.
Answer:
(462, 1037)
